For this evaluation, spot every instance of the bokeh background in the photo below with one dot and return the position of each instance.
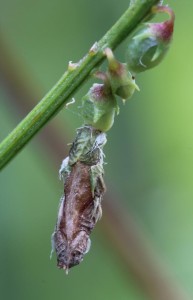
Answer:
(149, 155)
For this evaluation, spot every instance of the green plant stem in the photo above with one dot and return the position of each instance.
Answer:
(64, 89)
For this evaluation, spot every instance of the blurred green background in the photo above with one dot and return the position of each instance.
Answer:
(149, 154)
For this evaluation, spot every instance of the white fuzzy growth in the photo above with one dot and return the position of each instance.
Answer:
(99, 143)
(60, 211)
(94, 49)
(63, 167)
(70, 102)
(101, 140)
(52, 245)
(88, 245)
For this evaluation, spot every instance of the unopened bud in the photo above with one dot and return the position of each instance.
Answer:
(150, 42)
(121, 81)
(99, 107)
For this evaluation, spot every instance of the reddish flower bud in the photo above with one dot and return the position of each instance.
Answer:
(150, 42)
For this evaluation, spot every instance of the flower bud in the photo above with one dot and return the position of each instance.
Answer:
(99, 107)
(121, 81)
(150, 42)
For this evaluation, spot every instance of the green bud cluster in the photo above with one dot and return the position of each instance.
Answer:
(147, 47)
